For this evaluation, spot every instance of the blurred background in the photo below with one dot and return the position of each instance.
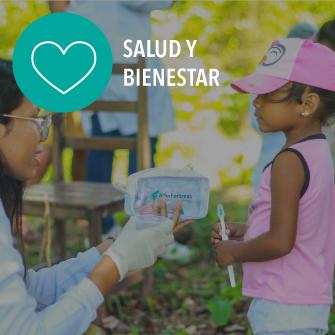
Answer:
(213, 131)
(213, 134)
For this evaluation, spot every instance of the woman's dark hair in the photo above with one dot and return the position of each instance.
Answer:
(327, 33)
(11, 189)
(327, 100)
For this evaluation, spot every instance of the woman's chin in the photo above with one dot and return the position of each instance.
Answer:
(23, 175)
(27, 175)
(32, 174)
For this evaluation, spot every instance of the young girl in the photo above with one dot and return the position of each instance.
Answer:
(288, 249)
(62, 299)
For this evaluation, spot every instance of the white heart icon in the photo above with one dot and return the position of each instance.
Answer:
(63, 51)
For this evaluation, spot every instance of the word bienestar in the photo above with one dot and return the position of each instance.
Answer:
(171, 77)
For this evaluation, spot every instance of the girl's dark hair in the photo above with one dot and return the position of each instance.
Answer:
(327, 100)
(327, 33)
(11, 189)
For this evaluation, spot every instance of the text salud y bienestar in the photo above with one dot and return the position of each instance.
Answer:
(165, 76)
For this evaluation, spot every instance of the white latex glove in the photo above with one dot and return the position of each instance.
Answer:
(138, 248)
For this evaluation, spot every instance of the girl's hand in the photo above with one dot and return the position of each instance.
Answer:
(234, 231)
(161, 210)
(223, 253)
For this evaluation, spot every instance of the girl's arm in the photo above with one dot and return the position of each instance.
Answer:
(287, 179)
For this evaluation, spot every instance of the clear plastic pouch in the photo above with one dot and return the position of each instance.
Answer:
(146, 187)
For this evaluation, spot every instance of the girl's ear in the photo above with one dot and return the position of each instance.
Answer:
(310, 103)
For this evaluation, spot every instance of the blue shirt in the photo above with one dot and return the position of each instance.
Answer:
(54, 301)
(122, 20)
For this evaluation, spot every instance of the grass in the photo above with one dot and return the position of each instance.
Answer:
(186, 296)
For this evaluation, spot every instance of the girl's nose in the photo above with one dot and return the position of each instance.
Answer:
(256, 103)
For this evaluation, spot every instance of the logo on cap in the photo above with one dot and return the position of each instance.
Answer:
(274, 54)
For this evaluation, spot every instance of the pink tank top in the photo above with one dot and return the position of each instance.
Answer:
(305, 275)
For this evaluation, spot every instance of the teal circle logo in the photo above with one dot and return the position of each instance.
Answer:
(62, 62)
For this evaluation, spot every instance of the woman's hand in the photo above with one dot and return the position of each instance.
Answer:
(161, 210)
(234, 231)
(133, 249)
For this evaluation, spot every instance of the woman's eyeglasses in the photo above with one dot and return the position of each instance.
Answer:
(43, 123)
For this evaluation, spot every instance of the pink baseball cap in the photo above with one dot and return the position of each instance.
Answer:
(291, 59)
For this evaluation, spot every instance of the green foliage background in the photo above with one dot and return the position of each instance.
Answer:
(232, 36)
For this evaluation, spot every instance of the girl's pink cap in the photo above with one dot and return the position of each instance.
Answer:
(291, 59)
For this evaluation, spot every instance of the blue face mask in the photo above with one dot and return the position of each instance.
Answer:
(147, 187)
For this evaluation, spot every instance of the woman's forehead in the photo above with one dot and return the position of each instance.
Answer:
(27, 107)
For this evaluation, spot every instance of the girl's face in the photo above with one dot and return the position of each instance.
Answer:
(20, 142)
(273, 115)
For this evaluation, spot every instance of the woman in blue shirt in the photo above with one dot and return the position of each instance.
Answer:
(62, 299)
